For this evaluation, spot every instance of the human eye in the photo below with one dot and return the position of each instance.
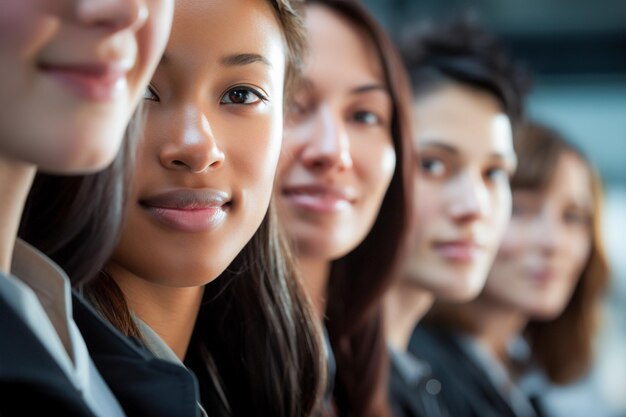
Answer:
(150, 94)
(298, 107)
(498, 173)
(433, 167)
(243, 96)
(576, 217)
(366, 117)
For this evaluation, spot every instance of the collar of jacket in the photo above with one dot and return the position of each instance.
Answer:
(143, 384)
(31, 381)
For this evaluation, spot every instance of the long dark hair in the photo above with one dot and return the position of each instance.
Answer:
(359, 280)
(255, 321)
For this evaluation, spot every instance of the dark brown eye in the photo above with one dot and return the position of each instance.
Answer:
(238, 96)
(241, 95)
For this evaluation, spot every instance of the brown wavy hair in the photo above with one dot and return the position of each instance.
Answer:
(564, 346)
(255, 322)
(359, 280)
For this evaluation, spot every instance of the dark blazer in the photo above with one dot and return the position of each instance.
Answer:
(413, 398)
(31, 381)
(143, 384)
(466, 390)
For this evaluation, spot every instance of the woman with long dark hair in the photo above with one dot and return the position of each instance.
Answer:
(535, 320)
(200, 274)
(344, 192)
(72, 74)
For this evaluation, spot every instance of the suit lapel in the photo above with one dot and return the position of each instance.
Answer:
(143, 384)
(30, 378)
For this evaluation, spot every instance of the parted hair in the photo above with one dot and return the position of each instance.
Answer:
(358, 281)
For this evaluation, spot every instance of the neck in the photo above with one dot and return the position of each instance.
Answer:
(315, 273)
(405, 305)
(16, 179)
(170, 311)
(495, 326)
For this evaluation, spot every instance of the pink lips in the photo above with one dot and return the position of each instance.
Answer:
(188, 210)
(542, 276)
(93, 81)
(459, 251)
(319, 198)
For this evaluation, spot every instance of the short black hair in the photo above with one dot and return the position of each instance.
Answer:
(465, 52)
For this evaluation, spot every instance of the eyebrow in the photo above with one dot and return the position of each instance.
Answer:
(439, 145)
(367, 88)
(244, 59)
(507, 156)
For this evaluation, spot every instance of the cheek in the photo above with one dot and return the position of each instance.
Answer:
(22, 23)
(428, 202)
(501, 211)
(150, 42)
(512, 242)
(386, 167)
(376, 165)
(578, 248)
(256, 150)
(499, 283)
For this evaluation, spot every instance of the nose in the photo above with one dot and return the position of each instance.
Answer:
(469, 198)
(194, 147)
(113, 14)
(328, 145)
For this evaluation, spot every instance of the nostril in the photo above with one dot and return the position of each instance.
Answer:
(178, 163)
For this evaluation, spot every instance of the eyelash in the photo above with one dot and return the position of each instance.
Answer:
(427, 166)
(261, 97)
(358, 117)
(576, 218)
(151, 90)
(491, 172)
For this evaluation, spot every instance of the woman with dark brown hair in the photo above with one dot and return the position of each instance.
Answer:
(344, 192)
(537, 313)
(200, 275)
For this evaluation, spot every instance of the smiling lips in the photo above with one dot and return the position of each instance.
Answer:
(188, 210)
(93, 81)
(464, 251)
(319, 198)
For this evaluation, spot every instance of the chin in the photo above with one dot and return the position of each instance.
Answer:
(461, 295)
(546, 313)
(73, 159)
(461, 292)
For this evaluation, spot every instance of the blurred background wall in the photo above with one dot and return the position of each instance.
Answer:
(576, 50)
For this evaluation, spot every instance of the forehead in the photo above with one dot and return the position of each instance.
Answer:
(464, 118)
(340, 53)
(208, 29)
